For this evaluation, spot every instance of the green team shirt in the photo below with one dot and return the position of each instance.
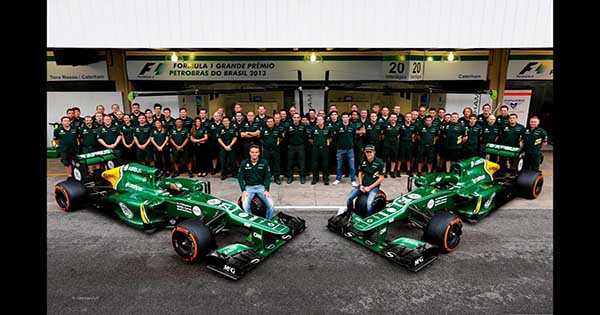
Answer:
(179, 135)
(142, 133)
(373, 132)
(67, 138)
(489, 133)
(344, 136)
(391, 135)
(358, 140)
(502, 121)
(474, 135)
(511, 135)
(187, 123)
(270, 137)
(320, 135)
(296, 134)
(533, 139)
(227, 134)
(262, 121)
(213, 130)
(254, 174)
(87, 136)
(436, 122)
(420, 122)
(108, 134)
(128, 132)
(482, 119)
(427, 135)
(238, 125)
(250, 126)
(407, 132)
(160, 136)
(454, 135)
(198, 133)
(383, 120)
(169, 124)
(371, 170)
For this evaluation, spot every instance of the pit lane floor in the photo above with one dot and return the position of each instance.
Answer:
(503, 265)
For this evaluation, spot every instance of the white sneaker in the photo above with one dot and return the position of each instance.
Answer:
(336, 182)
(354, 184)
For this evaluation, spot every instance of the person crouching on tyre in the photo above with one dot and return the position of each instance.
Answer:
(370, 177)
(254, 178)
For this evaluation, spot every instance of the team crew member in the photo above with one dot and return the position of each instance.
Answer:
(467, 112)
(333, 122)
(370, 177)
(77, 120)
(135, 113)
(213, 133)
(237, 123)
(127, 144)
(398, 112)
(100, 109)
(157, 113)
(407, 140)
(65, 137)
(391, 144)
(250, 132)
(320, 137)
(511, 134)
(200, 149)
(502, 119)
(237, 108)
(454, 136)
(168, 120)
(109, 135)
(373, 131)
(533, 139)
(98, 120)
(489, 134)
(187, 121)
(118, 120)
(226, 139)
(261, 118)
(114, 108)
(271, 138)
(141, 138)
(426, 148)
(486, 112)
(474, 131)
(179, 139)
(254, 178)
(295, 134)
(358, 124)
(385, 115)
(149, 118)
(344, 135)
(87, 136)
(160, 140)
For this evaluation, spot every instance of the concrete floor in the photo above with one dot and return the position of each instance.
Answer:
(503, 265)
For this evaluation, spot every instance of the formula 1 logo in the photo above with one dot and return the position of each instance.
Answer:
(151, 66)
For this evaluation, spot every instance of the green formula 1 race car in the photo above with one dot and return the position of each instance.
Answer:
(141, 198)
(473, 189)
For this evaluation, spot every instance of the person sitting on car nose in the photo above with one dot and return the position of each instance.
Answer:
(370, 177)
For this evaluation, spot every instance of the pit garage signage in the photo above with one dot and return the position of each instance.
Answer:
(530, 69)
(357, 69)
(93, 72)
(518, 103)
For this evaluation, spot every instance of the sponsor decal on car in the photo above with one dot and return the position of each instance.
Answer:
(414, 196)
(430, 203)
(213, 202)
(126, 210)
(488, 202)
(196, 211)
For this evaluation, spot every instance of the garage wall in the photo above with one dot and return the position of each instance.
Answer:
(271, 100)
(366, 99)
(58, 102)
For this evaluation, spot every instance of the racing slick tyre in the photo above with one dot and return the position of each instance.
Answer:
(69, 194)
(443, 230)
(529, 184)
(192, 240)
(360, 204)
(256, 206)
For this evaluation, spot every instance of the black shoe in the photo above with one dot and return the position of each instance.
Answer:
(385, 175)
(223, 177)
(277, 180)
(302, 180)
(397, 173)
(393, 175)
(290, 180)
(326, 183)
(190, 175)
(313, 182)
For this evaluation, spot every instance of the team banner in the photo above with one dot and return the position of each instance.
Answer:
(530, 70)
(367, 69)
(518, 103)
(93, 72)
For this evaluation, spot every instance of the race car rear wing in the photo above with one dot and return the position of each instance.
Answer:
(97, 157)
(502, 150)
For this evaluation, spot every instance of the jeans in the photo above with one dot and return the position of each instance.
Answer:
(347, 155)
(259, 191)
(371, 196)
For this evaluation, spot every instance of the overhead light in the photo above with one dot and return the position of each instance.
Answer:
(430, 58)
(174, 57)
(451, 56)
(313, 57)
